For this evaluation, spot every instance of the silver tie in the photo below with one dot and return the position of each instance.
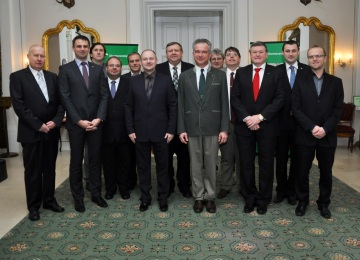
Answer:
(42, 85)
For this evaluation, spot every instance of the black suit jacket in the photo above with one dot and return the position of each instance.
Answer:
(165, 69)
(80, 102)
(310, 109)
(31, 106)
(114, 126)
(269, 101)
(285, 113)
(128, 75)
(151, 120)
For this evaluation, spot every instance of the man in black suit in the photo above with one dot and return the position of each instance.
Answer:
(35, 98)
(134, 62)
(291, 69)
(256, 100)
(317, 102)
(116, 144)
(84, 95)
(151, 109)
(173, 67)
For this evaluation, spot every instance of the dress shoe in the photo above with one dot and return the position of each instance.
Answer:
(144, 206)
(79, 206)
(109, 195)
(248, 208)
(292, 200)
(325, 212)
(210, 206)
(222, 193)
(125, 196)
(261, 210)
(198, 206)
(163, 206)
(300, 209)
(34, 215)
(99, 201)
(278, 199)
(54, 207)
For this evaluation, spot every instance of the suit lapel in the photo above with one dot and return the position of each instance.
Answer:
(34, 83)
(193, 83)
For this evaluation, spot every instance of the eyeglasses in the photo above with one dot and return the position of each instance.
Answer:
(311, 57)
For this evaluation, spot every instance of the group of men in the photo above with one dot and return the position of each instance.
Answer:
(178, 108)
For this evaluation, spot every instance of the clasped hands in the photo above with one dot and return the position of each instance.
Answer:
(223, 136)
(253, 122)
(167, 136)
(89, 125)
(46, 127)
(318, 132)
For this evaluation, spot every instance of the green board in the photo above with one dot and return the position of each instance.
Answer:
(120, 50)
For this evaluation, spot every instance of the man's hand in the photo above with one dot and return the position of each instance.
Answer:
(44, 128)
(84, 124)
(251, 121)
(318, 132)
(169, 137)
(132, 137)
(223, 136)
(184, 138)
(51, 125)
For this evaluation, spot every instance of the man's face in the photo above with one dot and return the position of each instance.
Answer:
(36, 58)
(316, 58)
(98, 54)
(113, 68)
(81, 49)
(134, 63)
(201, 54)
(258, 55)
(174, 54)
(232, 59)
(216, 61)
(148, 61)
(291, 53)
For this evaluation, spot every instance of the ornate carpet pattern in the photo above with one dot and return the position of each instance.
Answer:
(121, 231)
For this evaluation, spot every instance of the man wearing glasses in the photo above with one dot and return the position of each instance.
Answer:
(317, 101)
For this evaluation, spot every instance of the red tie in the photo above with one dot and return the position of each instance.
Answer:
(231, 79)
(256, 83)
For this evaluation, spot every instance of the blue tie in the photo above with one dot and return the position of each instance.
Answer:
(292, 76)
(113, 88)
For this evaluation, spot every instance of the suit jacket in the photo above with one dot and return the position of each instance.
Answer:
(286, 118)
(310, 109)
(151, 119)
(165, 69)
(31, 106)
(128, 75)
(269, 101)
(114, 125)
(80, 102)
(203, 117)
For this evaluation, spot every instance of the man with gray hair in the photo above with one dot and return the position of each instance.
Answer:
(203, 122)
(217, 58)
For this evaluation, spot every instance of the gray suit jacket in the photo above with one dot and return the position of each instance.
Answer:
(203, 117)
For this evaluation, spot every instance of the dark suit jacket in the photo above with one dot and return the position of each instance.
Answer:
(285, 118)
(165, 69)
(128, 75)
(310, 109)
(206, 117)
(151, 119)
(31, 106)
(269, 101)
(114, 126)
(79, 102)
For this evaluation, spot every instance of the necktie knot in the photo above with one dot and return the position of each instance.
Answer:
(257, 70)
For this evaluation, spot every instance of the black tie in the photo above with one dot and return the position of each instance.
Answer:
(149, 87)
(202, 84)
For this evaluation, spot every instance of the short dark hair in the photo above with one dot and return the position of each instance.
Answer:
(233, 49)
(80, 37)
(258, 43)
(317, 46)
(95, 44)
(113, 57)
(133, 53)
(173, 43)
(291, 42)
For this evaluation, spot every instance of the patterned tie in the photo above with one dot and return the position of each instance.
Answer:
(42, 85)
(202, 84)
(175, 78)
(149, 87)
(256, 83)
(113, 88)
(85, 73)
(292, 76)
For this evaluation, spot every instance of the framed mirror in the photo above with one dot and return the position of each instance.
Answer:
(308, 32)
(57, 42)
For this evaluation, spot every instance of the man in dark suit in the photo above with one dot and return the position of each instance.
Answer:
(173, 67)
(116, 144)
(256, 100)
(203, 122)
(35, 98)
(151, 109)
(134, 62)
(317, 102)
(291, 69)
(84, 95)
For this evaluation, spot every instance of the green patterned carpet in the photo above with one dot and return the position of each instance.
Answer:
(123, 232)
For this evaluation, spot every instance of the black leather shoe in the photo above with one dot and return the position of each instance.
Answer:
(34, 215)
(79, 206)
(248, 208)
(144, 206)
(198, 206)
(300, 209)
(210, 206)
(325, 212)
(125, 196)
(109, 195)
(222, 193)
(163, 207)
(54, 207)
(292, 200)
(278, 199)
(261, 210)
(99, 201)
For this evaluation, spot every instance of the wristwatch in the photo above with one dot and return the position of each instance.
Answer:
(261, 118)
